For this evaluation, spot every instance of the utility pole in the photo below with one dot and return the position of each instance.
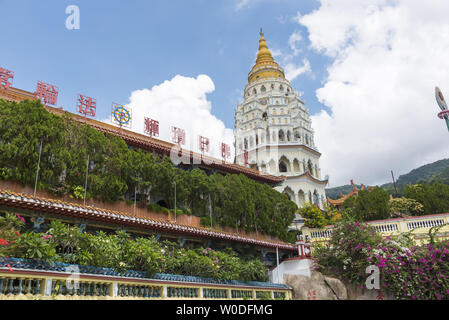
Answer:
(135, 199)
(277, 260)
(37, 171)
(210, 210)
(394, 183)
(85, 184)
(174, 182)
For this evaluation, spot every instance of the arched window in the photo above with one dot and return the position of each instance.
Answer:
(281, 88)
(288, 135)
(281, 136)
(282, 167)
(257, 140)
(297, 136)
(265, 116)
(263, 89)
(254, 91)
(246, 144)
(310, 167)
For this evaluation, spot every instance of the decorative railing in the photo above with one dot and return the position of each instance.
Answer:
(25, 279)
(418, 225)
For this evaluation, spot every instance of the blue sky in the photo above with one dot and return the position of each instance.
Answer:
(367, 69)
(124, 46)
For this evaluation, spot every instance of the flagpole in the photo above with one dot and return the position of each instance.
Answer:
(37, 171)
(85, 184)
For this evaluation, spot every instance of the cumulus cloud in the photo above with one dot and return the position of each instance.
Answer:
(387, 58)
(182, 102)
(295, 37)
(292, 70)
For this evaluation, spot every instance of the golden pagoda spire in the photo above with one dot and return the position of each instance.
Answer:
(264, 54)
(265, 66)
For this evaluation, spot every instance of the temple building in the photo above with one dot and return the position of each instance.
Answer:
(338, 203)
(274, 133)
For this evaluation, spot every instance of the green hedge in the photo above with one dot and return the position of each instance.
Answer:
(116, 169)
(120, 251)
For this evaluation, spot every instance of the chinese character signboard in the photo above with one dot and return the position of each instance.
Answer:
(86, 105)
(6, 77)
(203, 144)
(47, 93)
(121, 115)
(225, 151)
(179, 136)
(152, 127)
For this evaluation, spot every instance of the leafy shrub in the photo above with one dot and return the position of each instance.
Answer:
(69, 244)
(34, 246)
(406, 206)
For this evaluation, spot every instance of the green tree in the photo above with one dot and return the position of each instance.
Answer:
(314, 217)
(372, 205)
(406, 206)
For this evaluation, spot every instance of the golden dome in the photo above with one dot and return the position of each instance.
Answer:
(265, 66)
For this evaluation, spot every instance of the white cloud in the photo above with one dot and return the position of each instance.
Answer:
(295, 37)
(388, 57)
(292, 71)
(182, 102)
(244, 4)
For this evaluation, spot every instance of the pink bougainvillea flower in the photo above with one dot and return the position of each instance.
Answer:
(17, 233)
(20, 218)
(3, 242)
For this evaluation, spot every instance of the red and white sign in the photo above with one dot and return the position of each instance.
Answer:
(225, 151)
(178, 136)
(87, 106)
(152, 127)
(47, 93)
(6, 77)
(203, 144)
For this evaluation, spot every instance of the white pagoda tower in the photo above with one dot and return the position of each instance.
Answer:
(274, 133)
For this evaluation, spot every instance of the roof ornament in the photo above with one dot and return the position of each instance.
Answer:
(261, 32)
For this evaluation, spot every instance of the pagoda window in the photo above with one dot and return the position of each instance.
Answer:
(310, 167)
(265, 116)
(254, 91)
(257, 140)
(315, 198)
(281, 88)
(297, 136)
(263, 89)
(246, 144)
(296, 165)
(281, 136)
(282, 167)
(288, 135)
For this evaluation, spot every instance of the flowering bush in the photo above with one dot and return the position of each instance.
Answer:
(10, 229)
(406, 271)
(416, 273)
(346, 254)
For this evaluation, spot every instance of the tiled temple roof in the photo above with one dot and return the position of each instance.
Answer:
(28, 202)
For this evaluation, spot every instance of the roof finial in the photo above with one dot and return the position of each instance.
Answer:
(261, 32)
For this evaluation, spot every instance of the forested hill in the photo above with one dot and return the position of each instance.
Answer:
(433, 172)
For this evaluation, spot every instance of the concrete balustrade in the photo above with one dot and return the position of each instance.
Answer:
(419, 226)
(48, 285)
